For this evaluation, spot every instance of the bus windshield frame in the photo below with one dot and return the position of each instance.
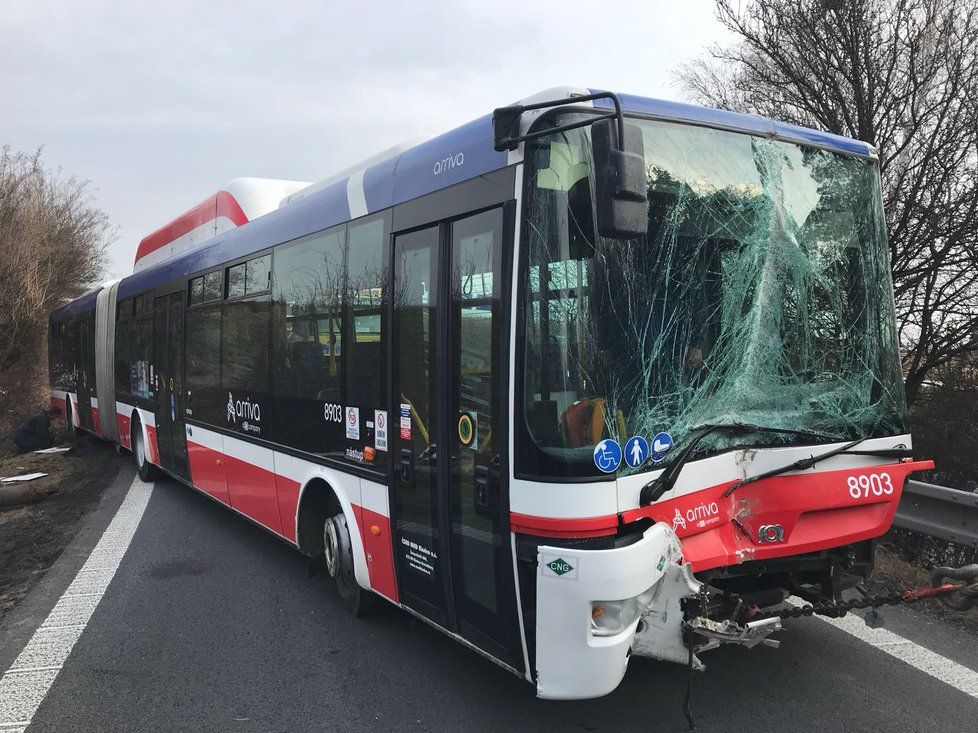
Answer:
(761, 293)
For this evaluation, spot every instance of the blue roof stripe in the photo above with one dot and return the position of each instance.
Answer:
(456, 156)
(81, 304)
(751, 124)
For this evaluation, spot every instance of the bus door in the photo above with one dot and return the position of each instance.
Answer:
(451, 519)
(86, 371)
(170, 430)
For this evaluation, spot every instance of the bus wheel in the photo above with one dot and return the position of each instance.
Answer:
(146, 470)
(338, 551)
(69, 422)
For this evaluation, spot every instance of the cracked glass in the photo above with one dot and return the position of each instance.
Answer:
(760, 293)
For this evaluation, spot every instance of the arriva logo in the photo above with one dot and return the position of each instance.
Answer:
(244, 409)
(446, 164)
(698, 516)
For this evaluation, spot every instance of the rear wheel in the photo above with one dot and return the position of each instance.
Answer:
(338, 556)
(146, 470)
(69, 422)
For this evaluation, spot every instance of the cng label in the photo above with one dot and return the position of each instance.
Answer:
(560, 567)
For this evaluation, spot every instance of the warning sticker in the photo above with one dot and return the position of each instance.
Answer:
(380, 429)
(353, 423)
(405, 421)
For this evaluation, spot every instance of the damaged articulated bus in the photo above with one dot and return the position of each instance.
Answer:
(709, 406)
(590, 377)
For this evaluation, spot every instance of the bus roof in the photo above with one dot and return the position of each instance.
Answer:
(82, 304)
(461, 154)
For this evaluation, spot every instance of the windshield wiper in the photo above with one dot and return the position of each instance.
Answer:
(802, 465)
(653, 490)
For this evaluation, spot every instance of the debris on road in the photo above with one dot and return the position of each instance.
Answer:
(22, 477)
(39, 522)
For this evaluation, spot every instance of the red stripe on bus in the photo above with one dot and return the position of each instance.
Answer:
(123, 423)
(551, 527)
(220, 204)
(272, 499)
(207, 471)
(152, 448)
(287, 491)
(252, 491)
(375, 531)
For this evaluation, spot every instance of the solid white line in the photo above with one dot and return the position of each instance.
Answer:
(940, 668)
(29, 678)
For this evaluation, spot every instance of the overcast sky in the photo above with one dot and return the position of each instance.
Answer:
(158, 104)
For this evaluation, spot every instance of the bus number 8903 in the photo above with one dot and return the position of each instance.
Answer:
(879, 484)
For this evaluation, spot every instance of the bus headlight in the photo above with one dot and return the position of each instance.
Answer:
(612, 617)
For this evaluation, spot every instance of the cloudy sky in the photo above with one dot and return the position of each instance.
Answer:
(158, 104)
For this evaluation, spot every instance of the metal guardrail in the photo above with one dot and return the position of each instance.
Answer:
(937, 511)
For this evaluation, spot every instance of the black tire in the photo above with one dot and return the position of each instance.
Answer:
(69, 425)
(358, 600)
(146, 470)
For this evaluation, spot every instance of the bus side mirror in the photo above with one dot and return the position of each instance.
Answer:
(621, 186)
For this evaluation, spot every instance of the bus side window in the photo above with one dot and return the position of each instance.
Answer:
(366, 386)
(123, 327)
(203, 363)
(307, 342)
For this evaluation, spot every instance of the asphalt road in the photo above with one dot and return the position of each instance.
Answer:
(212, 624)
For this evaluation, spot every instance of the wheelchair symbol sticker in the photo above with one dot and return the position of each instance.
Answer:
(607, 456)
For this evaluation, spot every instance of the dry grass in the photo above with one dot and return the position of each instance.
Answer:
(32, 536)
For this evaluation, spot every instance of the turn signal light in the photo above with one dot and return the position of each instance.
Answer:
(369, 453)
(375, 530)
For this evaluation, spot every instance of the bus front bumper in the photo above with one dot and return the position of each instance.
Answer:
(591, 604)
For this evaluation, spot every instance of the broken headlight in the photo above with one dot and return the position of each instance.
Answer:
(613, 617)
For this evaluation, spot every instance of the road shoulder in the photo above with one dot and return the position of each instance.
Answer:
(20, 623)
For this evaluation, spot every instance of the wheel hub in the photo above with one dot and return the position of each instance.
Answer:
(331, 547)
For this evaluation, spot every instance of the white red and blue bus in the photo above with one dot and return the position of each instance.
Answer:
(578, 380)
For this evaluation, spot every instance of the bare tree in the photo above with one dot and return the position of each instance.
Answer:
(52, 246)
(901, 75)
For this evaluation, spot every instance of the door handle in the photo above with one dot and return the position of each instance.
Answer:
(407, 465)
(483, 491)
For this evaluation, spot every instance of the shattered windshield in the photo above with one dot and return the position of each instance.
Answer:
(761, 293)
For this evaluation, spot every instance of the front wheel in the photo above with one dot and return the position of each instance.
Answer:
(338, 555)
(146, 470)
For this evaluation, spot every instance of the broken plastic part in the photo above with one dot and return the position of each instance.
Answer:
(761, 293)
(728, 632)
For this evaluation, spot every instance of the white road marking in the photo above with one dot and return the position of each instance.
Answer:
(29, 678)
(940, 668)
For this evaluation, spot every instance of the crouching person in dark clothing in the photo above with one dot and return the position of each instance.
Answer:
(34, 433)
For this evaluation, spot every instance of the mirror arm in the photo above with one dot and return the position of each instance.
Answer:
(510, 117)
